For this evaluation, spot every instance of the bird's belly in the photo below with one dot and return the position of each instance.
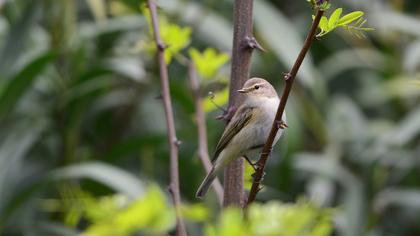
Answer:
(259, 135)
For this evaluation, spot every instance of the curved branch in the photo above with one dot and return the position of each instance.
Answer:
(289, 78)
(203, 150)
(172, 139)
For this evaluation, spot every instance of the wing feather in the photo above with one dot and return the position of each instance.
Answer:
(241, 118)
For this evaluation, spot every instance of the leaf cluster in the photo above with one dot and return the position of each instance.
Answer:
(353, 22)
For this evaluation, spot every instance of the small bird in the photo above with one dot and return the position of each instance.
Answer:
(248, 129)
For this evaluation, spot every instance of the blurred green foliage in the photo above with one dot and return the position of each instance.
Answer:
(82, 132)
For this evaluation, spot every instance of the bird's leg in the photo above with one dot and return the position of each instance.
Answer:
(250, 162)
(260, 166)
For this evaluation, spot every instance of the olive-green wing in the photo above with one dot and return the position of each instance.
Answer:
(241, 118)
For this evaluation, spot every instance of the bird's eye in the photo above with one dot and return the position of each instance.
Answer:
(256, 87)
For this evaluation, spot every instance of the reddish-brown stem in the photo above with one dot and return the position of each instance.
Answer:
(172, 139)
(200, 119)
(289, 79)
(241, 59)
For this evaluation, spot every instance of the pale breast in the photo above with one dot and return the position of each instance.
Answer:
(263, 122)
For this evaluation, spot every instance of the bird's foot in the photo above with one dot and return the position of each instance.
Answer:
(254, 177)
(254, 165)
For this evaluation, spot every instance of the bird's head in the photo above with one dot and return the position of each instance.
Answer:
(258, 87)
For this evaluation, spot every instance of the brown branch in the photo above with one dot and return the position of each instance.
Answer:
(203, 150)
(289, 78)
(173, 141)
(243, 45)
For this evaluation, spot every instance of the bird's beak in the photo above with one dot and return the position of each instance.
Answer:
(242, 91)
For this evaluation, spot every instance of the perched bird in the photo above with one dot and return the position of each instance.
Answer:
(248, 129)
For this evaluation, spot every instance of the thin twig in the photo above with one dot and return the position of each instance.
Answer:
(203, 150)
(173, 141)
(289, 78)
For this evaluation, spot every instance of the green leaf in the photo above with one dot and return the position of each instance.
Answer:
(175, 37)
(150, 214)
(230, 223)
(335, 16)
(208, 62)
(349, 18)
(105, 174)
(22, 81)
(323, 24)
(195, 212)
(249, 170)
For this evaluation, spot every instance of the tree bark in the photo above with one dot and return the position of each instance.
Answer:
(241, 58)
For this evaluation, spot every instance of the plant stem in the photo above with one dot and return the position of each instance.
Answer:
(289, 78)
(200, 119)
(172, 139)
(241, 59)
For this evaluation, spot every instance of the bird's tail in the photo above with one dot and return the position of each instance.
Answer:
(205, 185)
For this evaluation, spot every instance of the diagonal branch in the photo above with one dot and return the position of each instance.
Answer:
(203, 150)
(289, 78)
(173, 141)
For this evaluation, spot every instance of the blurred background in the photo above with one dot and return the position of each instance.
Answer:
(83, 144)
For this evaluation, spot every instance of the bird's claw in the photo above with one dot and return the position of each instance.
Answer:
(253, 165)
(260, 180)
(281, 124)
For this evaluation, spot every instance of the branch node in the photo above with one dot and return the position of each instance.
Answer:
(258, 179)
(287, 76)
(252, 43)
(161, 46)
(227, 115)
(177, 142)
(267, 153)
(170, 189)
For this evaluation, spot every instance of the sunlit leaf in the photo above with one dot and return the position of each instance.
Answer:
(175, 37)
(207, 62)
(350, 17)
(323, 24)
(230, 223)
(249, 170)
(195, 212)
(335, 16)
(150, 214)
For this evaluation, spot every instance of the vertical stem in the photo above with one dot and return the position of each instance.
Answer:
(173, 141)
(241, 58)
(289, 77)
(200, 118)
